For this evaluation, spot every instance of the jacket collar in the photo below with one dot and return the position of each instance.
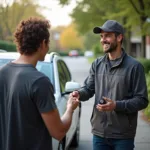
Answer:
(105, 58)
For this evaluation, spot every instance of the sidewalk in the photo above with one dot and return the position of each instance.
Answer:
(142, 140)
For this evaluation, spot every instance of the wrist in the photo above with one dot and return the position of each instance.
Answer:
(70, 110)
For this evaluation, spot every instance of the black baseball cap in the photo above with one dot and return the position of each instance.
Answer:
(110, 26)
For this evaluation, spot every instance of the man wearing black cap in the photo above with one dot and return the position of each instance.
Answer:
(118, 82)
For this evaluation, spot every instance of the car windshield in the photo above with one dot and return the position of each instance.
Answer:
(47, 69)
(43, 67)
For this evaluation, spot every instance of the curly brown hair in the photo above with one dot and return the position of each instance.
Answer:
(30, 33)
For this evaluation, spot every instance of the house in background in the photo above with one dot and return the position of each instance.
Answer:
(136, 46)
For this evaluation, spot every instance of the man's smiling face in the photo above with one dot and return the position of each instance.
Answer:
(109, 41)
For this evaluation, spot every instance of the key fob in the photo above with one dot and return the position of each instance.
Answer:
(102, 101)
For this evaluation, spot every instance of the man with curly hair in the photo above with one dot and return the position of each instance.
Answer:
(28, 114)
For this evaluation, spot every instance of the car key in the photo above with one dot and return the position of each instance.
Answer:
(102, 101)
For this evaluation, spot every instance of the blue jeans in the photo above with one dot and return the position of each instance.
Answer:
(100, 143)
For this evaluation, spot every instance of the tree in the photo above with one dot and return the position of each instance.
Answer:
(143, 13)
(70, 38)
(131, 13)
(12, 14)
(90, 39)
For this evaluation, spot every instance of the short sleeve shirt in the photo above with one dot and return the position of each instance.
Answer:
(25, 93)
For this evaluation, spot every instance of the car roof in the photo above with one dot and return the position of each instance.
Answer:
(15, 55)
(9, 55)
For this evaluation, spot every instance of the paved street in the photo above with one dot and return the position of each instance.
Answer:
(142, 140)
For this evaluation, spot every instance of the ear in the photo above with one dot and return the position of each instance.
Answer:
(119, 37)
(41, 46)
(42, 43)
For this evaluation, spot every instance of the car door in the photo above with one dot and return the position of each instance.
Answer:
(62, 100)
(67, 77)
(63, 75)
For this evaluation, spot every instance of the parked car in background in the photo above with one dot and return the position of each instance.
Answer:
(88, 54)
(73, 53)
(57, 71)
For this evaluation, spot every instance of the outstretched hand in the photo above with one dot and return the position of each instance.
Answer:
(109, 106)
(73, 102)
(75, 94)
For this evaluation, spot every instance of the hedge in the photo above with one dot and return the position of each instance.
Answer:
(146, 64)
(8, 46)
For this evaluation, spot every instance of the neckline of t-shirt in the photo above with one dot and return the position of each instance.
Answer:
(22, 65)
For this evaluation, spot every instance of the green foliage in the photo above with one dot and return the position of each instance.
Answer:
(91, 39)
(88, 13)
(133, 14)
(8, 46)
(145, 63)
(63, 2)
(148, 84)
(62, 53)
(65, 53)
(147, 110)
(11, 15)
(97, 50)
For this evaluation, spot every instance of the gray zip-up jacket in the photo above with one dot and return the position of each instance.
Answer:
(124, 83)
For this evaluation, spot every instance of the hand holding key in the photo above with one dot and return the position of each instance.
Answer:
(106, 105)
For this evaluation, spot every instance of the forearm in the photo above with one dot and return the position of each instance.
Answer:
(131, 105)
(85, 94)
(66, 120)
(139, 98)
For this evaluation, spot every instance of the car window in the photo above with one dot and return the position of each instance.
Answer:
(62, 76)
(66, 71)
(4, 61)
(47, 69)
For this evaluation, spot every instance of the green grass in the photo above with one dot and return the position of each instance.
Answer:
(91, 59)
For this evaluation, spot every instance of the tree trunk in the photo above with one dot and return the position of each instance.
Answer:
(127, 42)
(143, 46)
(127, 38)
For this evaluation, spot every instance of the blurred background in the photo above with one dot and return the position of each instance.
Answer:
(72, 23)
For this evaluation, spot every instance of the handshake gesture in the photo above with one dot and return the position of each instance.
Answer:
(109, 104)
(73, 101)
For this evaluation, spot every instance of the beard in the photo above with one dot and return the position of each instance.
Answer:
(109, 47)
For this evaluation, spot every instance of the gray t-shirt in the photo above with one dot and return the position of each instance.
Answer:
(24, 94)
(114, 62)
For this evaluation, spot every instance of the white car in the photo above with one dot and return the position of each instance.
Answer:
(88, 54)
(56, 69)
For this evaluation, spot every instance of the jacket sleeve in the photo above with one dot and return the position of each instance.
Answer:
(139, 99)
(88, 90)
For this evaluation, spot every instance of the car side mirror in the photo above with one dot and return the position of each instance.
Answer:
(71, 86)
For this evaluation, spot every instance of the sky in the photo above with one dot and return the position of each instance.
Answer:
(57, 14)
